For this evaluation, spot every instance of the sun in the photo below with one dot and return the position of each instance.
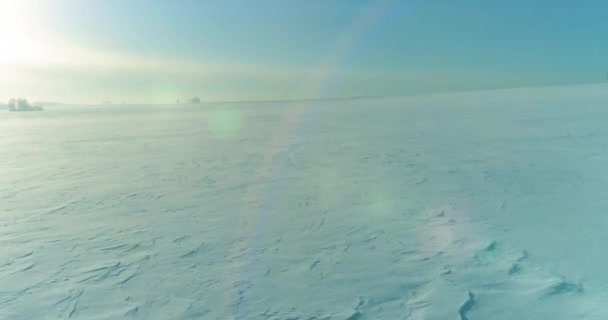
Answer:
(21, 36)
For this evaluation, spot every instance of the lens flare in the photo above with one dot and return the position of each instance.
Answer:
(224, 122)
(298, 118)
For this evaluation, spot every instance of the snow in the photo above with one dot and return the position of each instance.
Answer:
(481, 205)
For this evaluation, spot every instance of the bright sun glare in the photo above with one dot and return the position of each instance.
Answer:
(21, 37)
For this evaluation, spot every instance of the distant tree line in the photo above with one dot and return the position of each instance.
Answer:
(22, 105)
(195, 100)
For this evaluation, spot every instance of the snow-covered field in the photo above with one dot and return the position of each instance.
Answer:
(464, 206)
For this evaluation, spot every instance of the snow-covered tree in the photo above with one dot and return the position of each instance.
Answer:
(22, 105)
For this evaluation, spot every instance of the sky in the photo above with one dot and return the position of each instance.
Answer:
(158, 51)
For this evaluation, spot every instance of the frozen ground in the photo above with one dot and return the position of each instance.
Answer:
(486, 205)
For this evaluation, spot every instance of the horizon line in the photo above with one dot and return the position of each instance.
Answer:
(319, 99)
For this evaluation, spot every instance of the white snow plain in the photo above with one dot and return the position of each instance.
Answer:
(465, 206)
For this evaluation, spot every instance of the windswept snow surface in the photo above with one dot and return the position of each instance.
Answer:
(483, 205)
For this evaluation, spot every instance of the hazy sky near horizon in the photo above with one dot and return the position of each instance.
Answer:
(159, 51)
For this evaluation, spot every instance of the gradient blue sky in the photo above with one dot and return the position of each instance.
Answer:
(160, 51)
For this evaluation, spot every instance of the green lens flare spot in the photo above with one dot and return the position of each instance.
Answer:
(224, 122)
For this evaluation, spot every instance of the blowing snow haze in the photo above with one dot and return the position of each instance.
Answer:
(274, 160)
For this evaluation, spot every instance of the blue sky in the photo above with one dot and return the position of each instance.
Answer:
(160, 51)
